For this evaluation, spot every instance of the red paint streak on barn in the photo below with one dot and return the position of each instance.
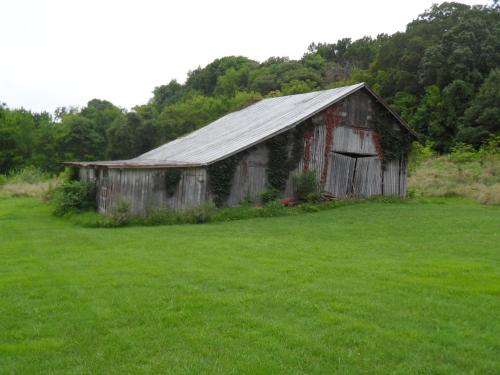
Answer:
(307, 149)
(376, 142)
(245, 168)
(332, 117)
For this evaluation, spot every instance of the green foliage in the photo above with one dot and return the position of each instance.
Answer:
(307, 187)
(492, 146)
(269, 196)
(465, 172)
(69, 174)
(285, 153)
(420, 153)
(172, 178)
(16, 138)
(277, 167)
(121, 215)
(463, 153)
(74, 196)
(482, 118)
(298, 87)
(220, 178)
(394, 141)
(313, 197)
(28, 174)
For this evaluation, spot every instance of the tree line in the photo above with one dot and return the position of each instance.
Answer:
(442, 74)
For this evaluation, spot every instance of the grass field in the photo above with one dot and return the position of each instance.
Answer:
(369, 288)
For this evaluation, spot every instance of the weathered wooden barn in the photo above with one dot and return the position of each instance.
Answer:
(356, 145)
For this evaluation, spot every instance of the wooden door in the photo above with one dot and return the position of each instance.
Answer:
(340, 175)
(354, 175)
(367, 180)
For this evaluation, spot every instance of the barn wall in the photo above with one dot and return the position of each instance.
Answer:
(250, 177)
(145, 189)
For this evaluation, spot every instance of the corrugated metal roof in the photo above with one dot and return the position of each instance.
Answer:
(242, 129)
(238, 130)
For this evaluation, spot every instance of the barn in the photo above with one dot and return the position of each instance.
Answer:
(348, 136)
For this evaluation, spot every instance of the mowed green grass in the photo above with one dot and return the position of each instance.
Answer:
(369, 288)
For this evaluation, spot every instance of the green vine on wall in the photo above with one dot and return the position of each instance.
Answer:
(392, 141)
(220, 177)
(277, 167)
(285, 152)
(172, 178)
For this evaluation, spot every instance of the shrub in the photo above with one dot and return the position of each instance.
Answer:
(200, 214)
(419, 154)
(308, 207)
(274, 208)
(74, 196)
(247, 201)
(158, 216)
(269, 196)
(314, 197)
(69, 174)
(463, 153)
(307, 187)
(121, 215)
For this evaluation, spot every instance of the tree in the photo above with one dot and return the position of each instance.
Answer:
(16, 138)
(482, 118)
(78, 139)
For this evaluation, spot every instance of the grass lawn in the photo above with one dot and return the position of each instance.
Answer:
(368, 288)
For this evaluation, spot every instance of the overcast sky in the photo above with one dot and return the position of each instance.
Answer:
(64, 53)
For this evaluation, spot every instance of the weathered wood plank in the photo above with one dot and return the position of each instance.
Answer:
(367, 177)
(354, 140)
(391, 178)
(340, 175)
(403, 178)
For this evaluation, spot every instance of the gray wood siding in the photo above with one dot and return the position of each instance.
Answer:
(403, 178)
(367, 177)
(145, 189)
(250, 177)
(391, 178)
(358, 109)
(354, 140)
(340, 175)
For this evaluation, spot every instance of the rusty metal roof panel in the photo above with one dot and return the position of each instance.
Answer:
(242, 129)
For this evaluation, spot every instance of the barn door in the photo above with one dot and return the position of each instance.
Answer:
(367, 180)
(354, 175)
(340, 175)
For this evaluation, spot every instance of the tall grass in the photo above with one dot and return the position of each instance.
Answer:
(465, 172)
(27, 182)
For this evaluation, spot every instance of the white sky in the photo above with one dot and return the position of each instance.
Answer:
(64, 53)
